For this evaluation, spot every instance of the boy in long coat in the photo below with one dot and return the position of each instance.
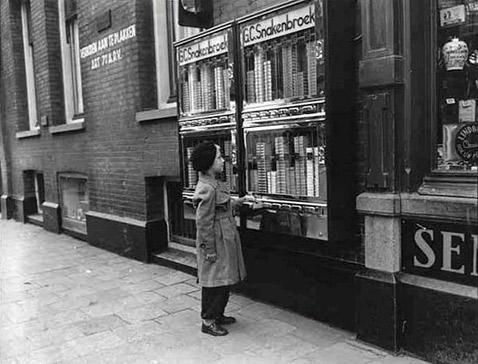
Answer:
(219, 254)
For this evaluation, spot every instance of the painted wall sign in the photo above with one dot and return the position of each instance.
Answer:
(279, 25)
(467, 142)
(106, 43)
(202, 49)
(440, 250)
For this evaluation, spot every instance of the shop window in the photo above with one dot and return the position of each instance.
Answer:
(29, 67)
(74, 200)
(70, 56)
(457, 86)
(167, 30)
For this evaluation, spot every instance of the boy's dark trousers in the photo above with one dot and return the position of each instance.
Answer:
(213, 302)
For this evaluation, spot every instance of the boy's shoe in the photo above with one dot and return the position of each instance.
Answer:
(225, 320)
(214, 329)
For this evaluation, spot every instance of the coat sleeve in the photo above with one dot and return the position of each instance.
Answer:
(205, 210)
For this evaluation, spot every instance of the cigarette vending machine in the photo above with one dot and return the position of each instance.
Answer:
(283, 118)
(206, 104)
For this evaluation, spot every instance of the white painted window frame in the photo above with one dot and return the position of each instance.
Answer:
(70, 61)
(29, 68)
(162, 43)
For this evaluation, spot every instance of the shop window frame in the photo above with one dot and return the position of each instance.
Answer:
(452, 183)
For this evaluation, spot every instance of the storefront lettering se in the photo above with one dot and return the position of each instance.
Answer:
(424, 239)
(258, 31)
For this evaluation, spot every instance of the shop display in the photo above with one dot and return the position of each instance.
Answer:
(206, 110)
(455, 53)
(204, 75)
(286, 162)
(282, 115)
(457, 80)
(283, 64)
(226, 140)
(284, 120)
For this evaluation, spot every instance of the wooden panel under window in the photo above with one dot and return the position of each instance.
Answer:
(378, 116)
(378, 27)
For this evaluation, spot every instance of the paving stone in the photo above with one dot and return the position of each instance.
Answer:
(196, 294)
(259, 310)
(92, 344)
(179, 320)
(144, 286)
(390, 359)
(178, 303)
(268, 327)
(138, 331)
(142, 313)
(73, 303)
(172, 277)
(343, 353)
(287, 347)
(53, 336)
(195, 354)
(100, 324)
(175, 290)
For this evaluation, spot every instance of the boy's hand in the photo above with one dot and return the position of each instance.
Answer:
(246, 198)
(249, 198)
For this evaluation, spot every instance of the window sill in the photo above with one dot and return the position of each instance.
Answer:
(65, 128)
(167, 112)
(73, 225)
(36, 219)
(450, 185)
(27, 133)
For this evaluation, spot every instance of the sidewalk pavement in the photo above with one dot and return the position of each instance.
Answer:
(64, 301)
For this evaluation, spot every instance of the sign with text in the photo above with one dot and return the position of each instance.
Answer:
(467, 142)
(194, 52)
(101, 49)
(279, 25)
(442, 251)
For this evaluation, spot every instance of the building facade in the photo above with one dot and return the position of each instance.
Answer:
(91, 145)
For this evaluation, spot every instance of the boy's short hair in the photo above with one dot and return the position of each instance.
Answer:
(203, 156)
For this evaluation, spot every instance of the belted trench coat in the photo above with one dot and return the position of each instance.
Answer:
(216, 232)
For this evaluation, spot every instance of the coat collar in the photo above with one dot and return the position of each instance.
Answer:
(208, 179)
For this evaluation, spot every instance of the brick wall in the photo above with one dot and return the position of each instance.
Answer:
(114, 151)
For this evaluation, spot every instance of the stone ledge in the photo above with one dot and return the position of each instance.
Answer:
(416, 205)
(387, 204)
(116, 218)
(167, 112)
(76, 125)
(440, 207)
(27, 133)
(438, 285)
